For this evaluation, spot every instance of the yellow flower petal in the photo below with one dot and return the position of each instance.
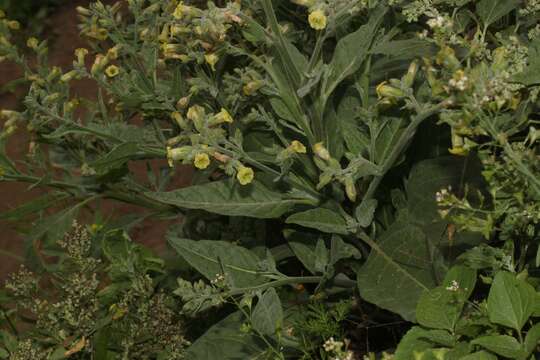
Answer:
(245, 175)
(317, 20)
(201, 161)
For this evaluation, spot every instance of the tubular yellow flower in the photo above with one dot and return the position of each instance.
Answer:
(388, 91)
(223, 116)
(99, 63)
(321, 151)
(112, 71)
(32, 43)
(212, 60)
(181, 10)
(81, 53)
(177, 154)
(67, 77)
(317, 20)
(195, 113)
(112, 53)
(251, 87)
(183, 102)
(245, 175)
(297, 147)
(14, 25)
(202, 160)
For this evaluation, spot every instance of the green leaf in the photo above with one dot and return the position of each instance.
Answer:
(356, 138)
(503, 345)
(211, 257)
(321, 219)
(116, 158)
(510, 301)
(408, 48)
(267, 316)
(412, 342)
(321, 256)
(365, 211)
(441, 307)
(532, 339)
(303, 247)
(395, 277)
(35, 205)
(531, 74)
(231, 199)
(480, 355)
(351, 51)
(225, 341)
(430, 176)
(490, 11)
(339, 250)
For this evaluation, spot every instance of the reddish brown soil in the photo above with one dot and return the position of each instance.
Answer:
(62, 29)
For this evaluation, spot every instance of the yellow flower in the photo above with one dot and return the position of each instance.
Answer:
(212, 60)
(32, 43)
(14, 25)
(384, 90)
(297, 147)
(251, 87)
(201, 161)
(321, 151)
(81, 53)
(67, 77)
(112, 53)
(177, 154)
(195, 113)
(112, 71)
(317, 20)
(244, 175)
(459, 151)
(181, 10)
(223, 116)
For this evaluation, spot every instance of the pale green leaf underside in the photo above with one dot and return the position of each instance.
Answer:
(230, 198)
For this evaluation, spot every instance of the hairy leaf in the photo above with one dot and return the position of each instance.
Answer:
(321, 219)
(267, 316)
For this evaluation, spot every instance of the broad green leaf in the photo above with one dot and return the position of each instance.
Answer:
(480, 355)
(231, 199)
(3, 353)
(492, 10)
(321, 219)
(510, 301)
(212, 258)
(321, 256)
(532, 339)
(356, 137)
(400, 271)
(267, 316)
(365, 211)
(503, 345)
(412, 342)
(225, 341)
(303, 247)
(441, 307)
(351, 51)
(339, 250)
(439, 337)
(388, 134)
(117, 157)
(408, 48)
(531, 74)
(430, 176)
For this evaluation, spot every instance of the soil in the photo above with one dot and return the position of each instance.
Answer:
(62, 29)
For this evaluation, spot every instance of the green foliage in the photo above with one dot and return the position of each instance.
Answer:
(347, 154)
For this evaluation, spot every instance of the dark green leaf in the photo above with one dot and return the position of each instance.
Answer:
(321, 219)
(267, 316)
(231, 199)
(211, 258)
(503, 345)
(225, 341)
(365, 211)
(490, 11)
(510, 301)
(532, 339)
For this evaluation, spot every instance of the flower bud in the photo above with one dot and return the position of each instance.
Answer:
(387, 91)
(83, 11)
(211, 59)
(297, 147)
(183, 102)
(177, 154)
(408, 79)
(251, 87)
(350, 189)
(321, 151)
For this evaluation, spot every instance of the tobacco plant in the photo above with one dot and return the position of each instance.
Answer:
(358, 164)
